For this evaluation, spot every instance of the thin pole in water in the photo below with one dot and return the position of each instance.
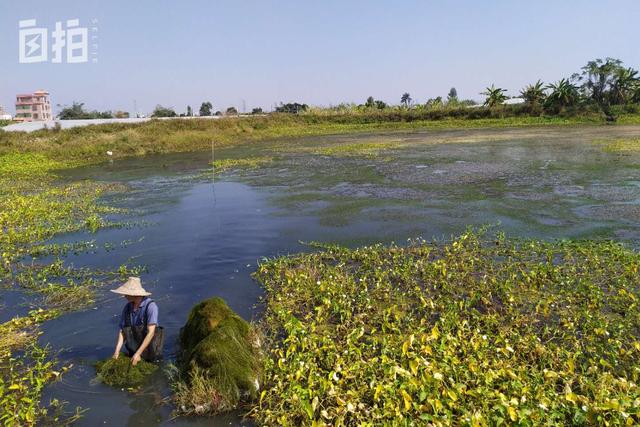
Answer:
(213, 170)
(213, 183)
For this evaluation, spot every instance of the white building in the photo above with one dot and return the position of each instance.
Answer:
(4, 115)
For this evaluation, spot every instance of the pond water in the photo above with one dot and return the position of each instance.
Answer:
(200, 240)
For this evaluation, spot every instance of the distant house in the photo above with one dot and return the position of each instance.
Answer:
(4, 115)
(514, 101)
(33, 107)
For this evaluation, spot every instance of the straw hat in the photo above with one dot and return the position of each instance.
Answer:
(132, 287)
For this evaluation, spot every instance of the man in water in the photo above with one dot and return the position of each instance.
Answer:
(138, 327)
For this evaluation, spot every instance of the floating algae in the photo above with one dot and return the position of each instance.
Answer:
(121, 373)
(220, 360)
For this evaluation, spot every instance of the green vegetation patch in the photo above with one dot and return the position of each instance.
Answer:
(226, 165)
(476, 331)
(25, 369)
(34, 208)
(27, 165)
(358, 149)
(121, 372)
(220, 360)
(623, 146)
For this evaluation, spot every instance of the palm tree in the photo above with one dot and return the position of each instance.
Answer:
(624, 86)
(534, 94)
(406, 99)
(495, 96)
(563, 94)
(635, 95)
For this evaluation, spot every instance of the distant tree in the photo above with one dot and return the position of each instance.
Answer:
(534, 94)
(405, 99)
(256, 110)
(205, 109)
(600, 80)
(381, 105)
(635, 96)
(218, 113)
(562, 94)
(77, 112)
(434, 102)
(121, 114)
(452, 97)
(371, 103)
(626, 85)
(231, 111)
(101, 115)
(189, 111)
(494, 96)
(292, 108)
(161, 111)
(467, 102)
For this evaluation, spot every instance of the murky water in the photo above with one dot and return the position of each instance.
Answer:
(200, 241)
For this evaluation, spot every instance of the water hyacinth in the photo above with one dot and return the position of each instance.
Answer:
(35, 207)
(476, 331)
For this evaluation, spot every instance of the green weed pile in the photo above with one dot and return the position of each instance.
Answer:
(477, 331)
(220, 360)
(121, 373)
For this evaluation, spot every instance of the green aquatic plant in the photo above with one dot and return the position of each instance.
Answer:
(121, 372)
(480, 330)
(220, 362)
(359, 149)
(226, 165)
(20, 331)
(622, 146)
(34, 208)
(25, 369)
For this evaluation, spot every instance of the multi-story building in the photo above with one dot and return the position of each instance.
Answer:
(33, 107)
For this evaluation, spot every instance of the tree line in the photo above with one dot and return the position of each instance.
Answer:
(601, 83)
(604, 86)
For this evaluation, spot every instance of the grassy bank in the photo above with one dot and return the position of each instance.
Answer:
(90, 144)
(476, 331)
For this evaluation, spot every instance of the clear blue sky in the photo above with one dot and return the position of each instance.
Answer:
(325, 52)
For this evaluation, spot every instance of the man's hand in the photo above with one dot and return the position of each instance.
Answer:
(116, 355)
(135, 359)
